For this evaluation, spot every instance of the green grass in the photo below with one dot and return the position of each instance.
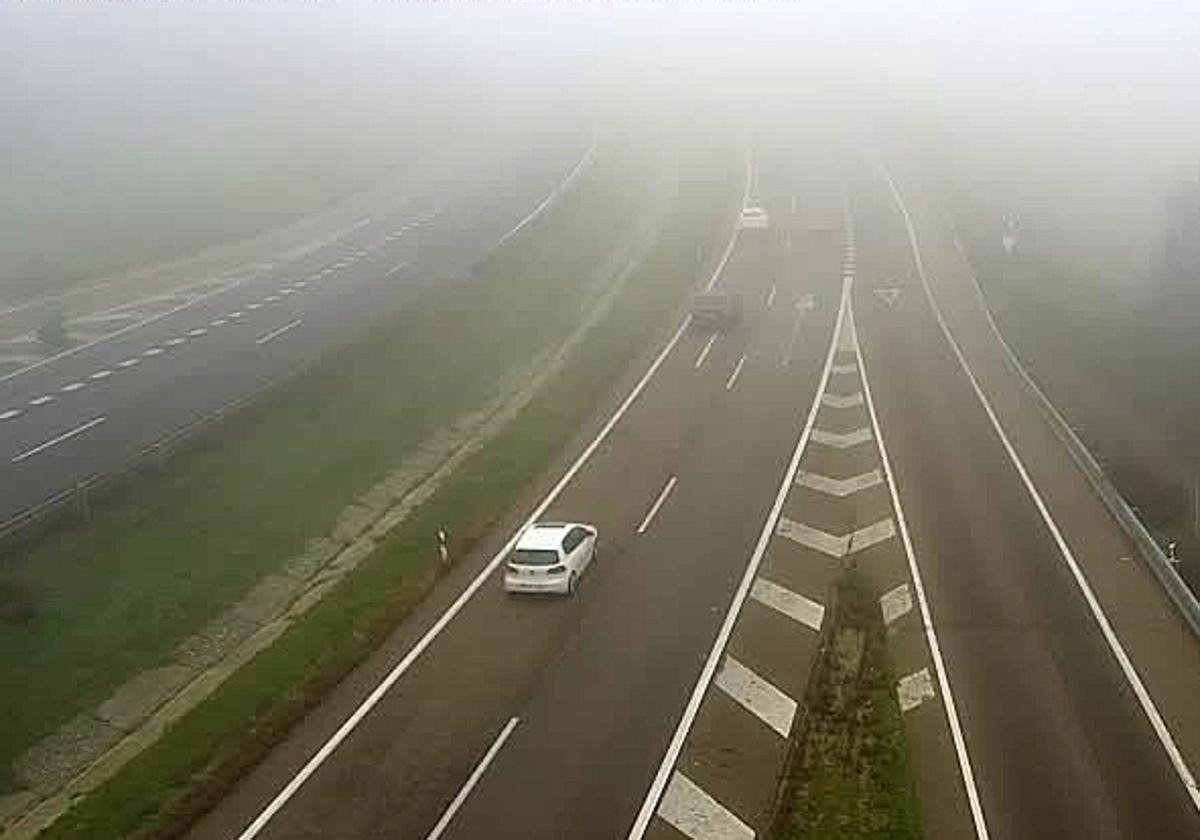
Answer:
(850, 780)
(203, 754)
(167, 552)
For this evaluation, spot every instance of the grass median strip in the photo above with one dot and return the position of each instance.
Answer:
(84, 607)
(850, 779)
(194, 763)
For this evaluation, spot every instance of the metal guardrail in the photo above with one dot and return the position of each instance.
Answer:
(155, 452)
(1177, 590)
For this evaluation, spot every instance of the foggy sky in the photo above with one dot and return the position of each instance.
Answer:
(117, 111)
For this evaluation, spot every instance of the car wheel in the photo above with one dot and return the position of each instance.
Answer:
(572, 583)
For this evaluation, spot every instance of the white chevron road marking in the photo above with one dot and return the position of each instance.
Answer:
(842, 441)
(695, 814)
(792, 604)
(840, 487)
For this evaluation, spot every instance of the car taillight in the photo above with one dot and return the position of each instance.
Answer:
(556, 570)
(513, 570)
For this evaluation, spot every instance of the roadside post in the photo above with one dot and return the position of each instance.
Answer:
(443, 549)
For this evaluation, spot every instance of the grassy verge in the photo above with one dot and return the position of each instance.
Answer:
(198, 759)
(88, 605)
(850, 780)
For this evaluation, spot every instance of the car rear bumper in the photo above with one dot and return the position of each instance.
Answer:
(528, 583)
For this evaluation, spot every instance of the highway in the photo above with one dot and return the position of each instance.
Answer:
(88, 411)
(1065, 700)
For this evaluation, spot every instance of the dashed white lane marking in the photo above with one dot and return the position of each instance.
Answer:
(42, 400)
(396, 268)
(840, 487)
(274, 334)
(841, 441)
(235, 314)
(287, 291)
(272, 298)
(128, 363)
(915, 689)
(757, 696)
(175, 342)
(896, 603)
(771, 296)
(300, 284)
(74, 386)
(101, 374)
(792, 604)
(219, 322)
(704, 353)
(842, 400)
(42, 447)
(196, 333)
(697, 815)
(253, 306)
(658, 503)
(850, 368)
(153, 351)
(733, 377)
(473, 780)
(10, 414)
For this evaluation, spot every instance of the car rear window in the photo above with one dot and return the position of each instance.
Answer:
(534, 557)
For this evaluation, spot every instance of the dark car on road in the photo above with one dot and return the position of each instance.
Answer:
(716, 311)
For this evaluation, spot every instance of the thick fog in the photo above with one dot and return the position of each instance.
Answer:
(135, 132)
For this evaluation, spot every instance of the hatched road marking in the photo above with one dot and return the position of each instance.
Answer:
(757, 696)
(840, 487)
(843, 401)
(792, 604)
(850, 368)
(833, 545)
(695, 814)
(915, 689)
(896, 603)
(842, 441)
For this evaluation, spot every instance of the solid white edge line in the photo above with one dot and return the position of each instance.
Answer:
(1114, 643)
(733, 377)
(935, 649)
(708, 345)
(274, 334)
(41, 447)
(658, 503)
(771, 296)
(414, 653)
(473, 780)
(714, 657)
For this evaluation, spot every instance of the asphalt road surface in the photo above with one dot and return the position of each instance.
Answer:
(91, 410)
(531, 718)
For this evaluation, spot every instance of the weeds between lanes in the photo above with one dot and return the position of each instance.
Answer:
(93, 604)
(850, 777)
(164, 788)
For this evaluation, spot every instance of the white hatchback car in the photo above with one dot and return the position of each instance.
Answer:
(550, 557)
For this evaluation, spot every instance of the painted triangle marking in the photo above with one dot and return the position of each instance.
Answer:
(888, 296)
